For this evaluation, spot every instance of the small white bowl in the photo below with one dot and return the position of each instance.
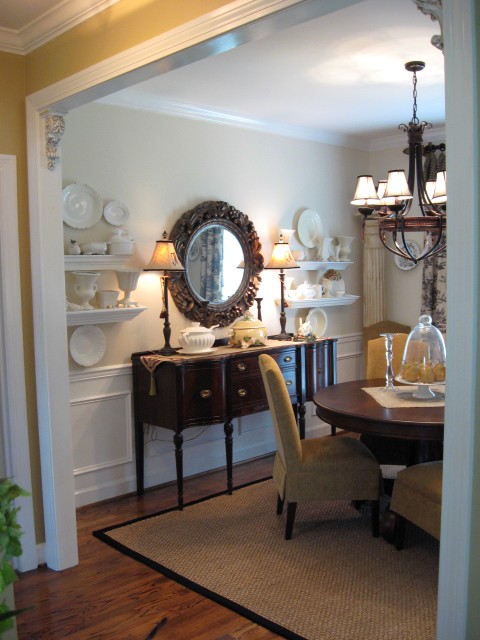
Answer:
(94, 248)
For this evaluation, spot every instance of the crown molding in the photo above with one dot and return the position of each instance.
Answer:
(136, 100)
(51, 24)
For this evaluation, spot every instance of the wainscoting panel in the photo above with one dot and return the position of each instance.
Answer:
(102, 422)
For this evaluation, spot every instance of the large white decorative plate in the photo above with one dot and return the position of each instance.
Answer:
(87, 345)
(82, 206)
(318, 321)
(309, 228)
(403, 263)
(115, 213)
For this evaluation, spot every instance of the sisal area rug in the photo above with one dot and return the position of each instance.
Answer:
(332, 581)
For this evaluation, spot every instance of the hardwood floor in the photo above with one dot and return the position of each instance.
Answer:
(110, 596)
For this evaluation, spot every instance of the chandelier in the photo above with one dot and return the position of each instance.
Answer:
(391, 201)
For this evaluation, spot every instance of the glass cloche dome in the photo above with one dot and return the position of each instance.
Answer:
(424, 358)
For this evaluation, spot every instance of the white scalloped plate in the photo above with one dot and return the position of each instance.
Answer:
(87, 345)
(318, 321)
(115, 213)
(309, 228)
(82, 206)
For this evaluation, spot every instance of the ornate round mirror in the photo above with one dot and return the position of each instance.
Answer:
(220, 250)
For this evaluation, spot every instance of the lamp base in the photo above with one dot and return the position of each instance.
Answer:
(168, 351)
(281, 336)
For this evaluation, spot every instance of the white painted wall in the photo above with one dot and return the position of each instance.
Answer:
(160, 166)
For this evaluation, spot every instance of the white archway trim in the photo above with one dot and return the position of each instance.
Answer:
(459, 569)
(13, 399)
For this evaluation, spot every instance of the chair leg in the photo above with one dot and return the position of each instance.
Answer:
(375, 506)
(291, 510)
(399, 532)
(333, 430)
(280, 502)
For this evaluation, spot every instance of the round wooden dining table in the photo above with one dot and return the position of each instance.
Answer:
(347, 406)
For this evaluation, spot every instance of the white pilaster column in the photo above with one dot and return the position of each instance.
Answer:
(374, 306)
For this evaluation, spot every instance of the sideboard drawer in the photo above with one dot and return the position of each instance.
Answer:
(203, 395)
(248, 364)
(246, 390)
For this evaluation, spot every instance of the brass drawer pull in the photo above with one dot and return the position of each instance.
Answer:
(242, 393)
(206, 393)
(241, 366)
(288, 383)
(287, 359)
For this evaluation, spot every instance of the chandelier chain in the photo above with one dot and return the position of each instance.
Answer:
(414, 117)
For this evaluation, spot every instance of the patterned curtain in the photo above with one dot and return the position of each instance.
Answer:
(434, 278)
(211, 264)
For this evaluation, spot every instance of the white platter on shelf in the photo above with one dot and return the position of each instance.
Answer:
(318, 321)
(81, 205)
(87, 345)
(309, 228)
(324, 301)
(102, 316)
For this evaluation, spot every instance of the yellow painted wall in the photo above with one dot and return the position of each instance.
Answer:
(118, 28)
(12, 142)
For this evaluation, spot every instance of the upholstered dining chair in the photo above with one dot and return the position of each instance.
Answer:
(327, 468)
(416, 497)
(374, 330)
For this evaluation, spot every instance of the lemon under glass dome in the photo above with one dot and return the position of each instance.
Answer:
(424, 358)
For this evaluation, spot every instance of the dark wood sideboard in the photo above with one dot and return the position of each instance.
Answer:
(181, 391)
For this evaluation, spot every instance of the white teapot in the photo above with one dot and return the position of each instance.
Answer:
(306, 290)
(196, 339)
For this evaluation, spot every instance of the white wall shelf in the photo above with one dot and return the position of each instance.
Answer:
(102, 316)
(314, 265)
(319, 302)
(99, 263)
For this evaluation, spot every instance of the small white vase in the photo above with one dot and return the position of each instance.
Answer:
(324, 249)
(85, 286)
(345, 243)
(127, 281)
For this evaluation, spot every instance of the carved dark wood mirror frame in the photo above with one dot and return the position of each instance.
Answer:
(201, 217)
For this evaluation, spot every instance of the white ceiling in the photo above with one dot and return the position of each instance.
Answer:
(339, 78)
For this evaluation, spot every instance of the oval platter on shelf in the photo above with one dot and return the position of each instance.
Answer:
(87, 345)
(318, 321)
(81, 205)
(309, 228)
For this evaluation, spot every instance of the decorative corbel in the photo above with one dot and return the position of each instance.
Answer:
(54, 127)
(434, 9)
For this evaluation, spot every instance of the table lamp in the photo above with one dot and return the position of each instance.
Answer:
(165, 259)
(282, 259)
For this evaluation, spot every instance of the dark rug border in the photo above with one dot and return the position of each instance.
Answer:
(102, 534)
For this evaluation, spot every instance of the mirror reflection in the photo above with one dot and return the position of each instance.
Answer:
(214, 265)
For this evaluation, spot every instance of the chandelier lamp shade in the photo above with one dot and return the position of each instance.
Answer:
(165, 259)
(392, 199)
(282, 259)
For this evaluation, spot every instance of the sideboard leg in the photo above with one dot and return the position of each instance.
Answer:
(228, 428)
(178, 441)
(139, 459)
